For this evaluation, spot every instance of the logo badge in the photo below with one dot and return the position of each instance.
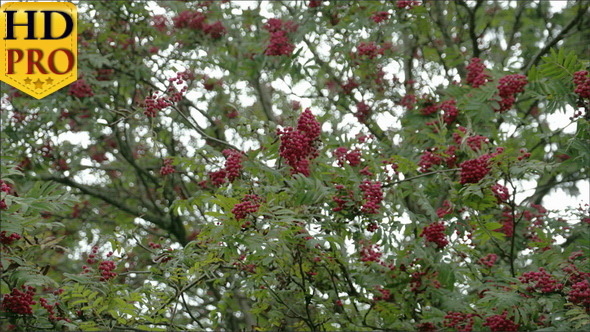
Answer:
(39, 46)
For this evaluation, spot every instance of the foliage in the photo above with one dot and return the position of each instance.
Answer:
(303, 165)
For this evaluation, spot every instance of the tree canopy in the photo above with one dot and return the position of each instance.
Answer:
(304, 165)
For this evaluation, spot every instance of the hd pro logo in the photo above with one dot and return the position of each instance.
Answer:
(39, 46)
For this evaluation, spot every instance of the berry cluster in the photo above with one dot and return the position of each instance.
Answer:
(8, 240)
(106, 270)
(155, 103)
(445, 209)
(350, 85)
(372, 196)
(582, 82)
(249, 204)
(167, 168)
(314, 3)
(418, 286)
(501, 192)
(508, 221)
(190, 19)
(473, 141)
(428, 159)
(459, 321)
(371, 253)
(19, 302)
(231, 171)
(298, 145)
(450, 112)
(580, 293)
(508, 87)
(435, 233)
(379, 17)
(401, 4)
(385, 294)
(233, 164)
(362, 111)
(408, 101)
(368, 50)
(80, 89)
(475, 73)
(473, 170)
(498, 323)
(279, 39)
(195, 20)
(159, 22)
(50, 310)
(426, 327)
(154, 245)
(343, 200)
(543, 281)
(489, 260)
(353, 158)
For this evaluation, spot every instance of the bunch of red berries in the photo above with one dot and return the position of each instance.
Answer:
(190, 19)
(343, 200)
(401, 4)
(314, 3)
(489, 260)
(8, 240)
(353, 158)
(445, 209)
(582, 82)
(362, 111)
(231, 171)
(106, 270)
(215, 30)
(153, 104)
(580, 293)
(450, 112)
(508, 87)
(159, 22)
(379, 17)
(459, 321)
(371, 253)
(233, 164)
(475, 73)
(80, 89)
(298, 145)
(279, 39)
(428, 159)
(249, 204)
(368, 50)
(498, 323)
(501, 192)
(435, 233)
(19, 302)
(385, 294)
(543, 281)
(50, 310)
(4, 187)
(350, 85)
(167, 168)
(473, 170)
(372, 196)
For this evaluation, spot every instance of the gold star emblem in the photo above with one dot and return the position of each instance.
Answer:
(49, 81)
(27, 80)
(38, 84)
